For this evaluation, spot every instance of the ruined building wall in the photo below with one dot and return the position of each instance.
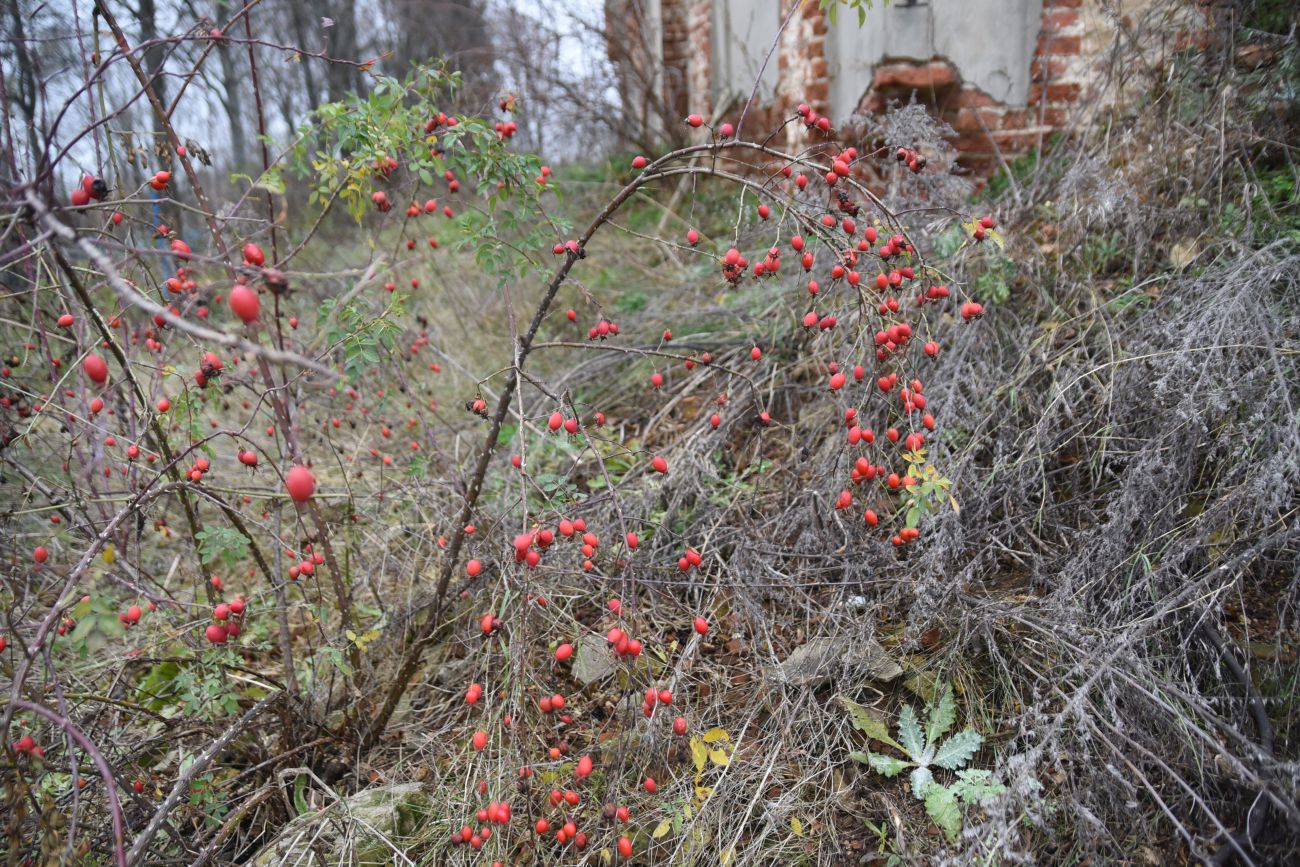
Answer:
(1005, 74)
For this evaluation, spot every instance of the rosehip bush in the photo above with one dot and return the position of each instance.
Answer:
(271, 471)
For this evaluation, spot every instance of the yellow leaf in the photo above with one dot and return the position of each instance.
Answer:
(719, 757)
(699, 754)
(662, 828)
(110, 554)
(351, 636)
(715, 734)
(956, 508)
(728, 857)
(796, 825)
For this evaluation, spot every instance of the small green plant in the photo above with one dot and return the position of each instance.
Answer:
(861, 7)
(926, 749)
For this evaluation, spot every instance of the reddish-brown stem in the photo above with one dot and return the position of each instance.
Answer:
(101, 764)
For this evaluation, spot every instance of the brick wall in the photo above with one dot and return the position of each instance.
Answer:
(985, 127)
(1060, 70)
(1071, 36)
(676, 55)
(699, 56)
(801, 58)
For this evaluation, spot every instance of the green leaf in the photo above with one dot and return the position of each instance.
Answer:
(887, 765)
(921, 780)
(942, 716)
(868, 723)
(223, 543)
(662, 828)
(958, 750)
(975, 784)
(299, 798)
(941, 804)
(909, 733)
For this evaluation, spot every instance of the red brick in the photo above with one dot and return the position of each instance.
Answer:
(1055, 117)
(1055, 93)
(971, 142)
(935, 75)
(1047, 68)
(1059, 19)
(973, 97)
(818, 67)
(982, 163)
(1056, 45)
(1015, 140)
(968, 120)
(1019, 118)
(874, 103)
(817, 91)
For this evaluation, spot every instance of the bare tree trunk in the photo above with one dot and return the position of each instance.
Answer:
(342, 43)
(232, 100)
(146, 14)
(24, 94)
(298, 18)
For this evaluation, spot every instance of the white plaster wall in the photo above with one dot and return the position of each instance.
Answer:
(991, 42)
(743, 31)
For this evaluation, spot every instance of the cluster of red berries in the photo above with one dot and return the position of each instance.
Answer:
(28, 746)
(602, 329)
(825, 323)
(733, 266)
(306, 566)
(691, 559)
(558, 421)
(622, 644)
(91, 188)
(131, 616)
(653, 696)
(910, 158)
(811, 120)
(892, 339)
(935, 292)
(770, 265)
(182, 282)
(440, 119)
(496, 813)
(198, 470)
(227, 617)
(840, 168)
(209, 369)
